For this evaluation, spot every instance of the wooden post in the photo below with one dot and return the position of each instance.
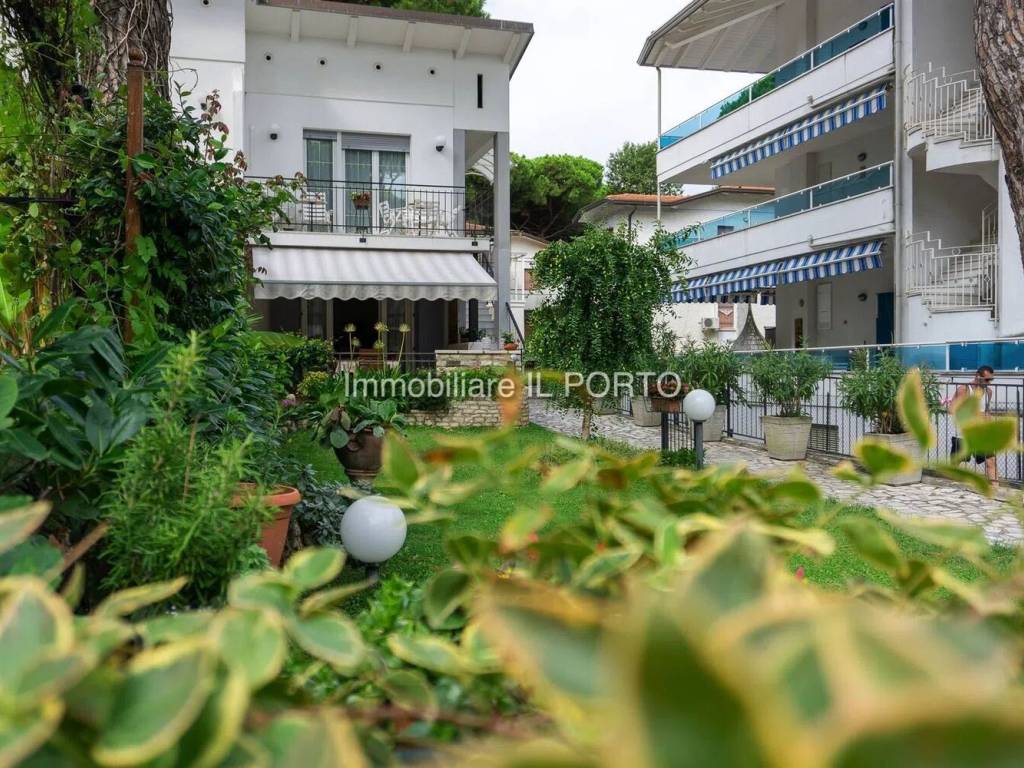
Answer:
(134, 139)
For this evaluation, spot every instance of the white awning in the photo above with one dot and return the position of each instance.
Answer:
(339, 273)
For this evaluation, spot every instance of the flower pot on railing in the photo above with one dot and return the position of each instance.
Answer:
(361, 200)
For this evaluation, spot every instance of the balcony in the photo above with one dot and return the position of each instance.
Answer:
(854, 59)
(858, 206)
(386, 209)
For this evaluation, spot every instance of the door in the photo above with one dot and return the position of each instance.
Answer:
(798, 332)
(885, 319)
(358, 190)
(319, 206)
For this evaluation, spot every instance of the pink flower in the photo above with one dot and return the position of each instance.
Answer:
(800, 573)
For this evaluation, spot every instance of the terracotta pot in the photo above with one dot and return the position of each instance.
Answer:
(661, 404)
(283, 499)
(511, 347)
(361, 201)
(361, 458)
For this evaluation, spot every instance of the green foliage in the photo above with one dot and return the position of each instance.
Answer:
(684, 457)
(345, 416)
(632, 168)
(301, 355)
(175, 508)
(870, 390)
(71, 404)
(319, 513)
(549, 191)
(189, 271)
(711, 366)
(314, 384)
(787, 379)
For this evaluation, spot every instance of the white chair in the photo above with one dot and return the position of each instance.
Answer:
(315, 211)
(387, 218)
(454, 223)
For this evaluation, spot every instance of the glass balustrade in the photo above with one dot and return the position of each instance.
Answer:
(854, 185)
(879, 22)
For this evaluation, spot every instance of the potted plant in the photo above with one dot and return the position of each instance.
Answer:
(282, 500)
(360, 200)
(666, 398)
(870, 390)
(787, 379)
(355, 428)
(717, 369)
(511, 345)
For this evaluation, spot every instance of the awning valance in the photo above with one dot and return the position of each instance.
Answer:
(758, 278)
(824, 121)
(340, 273)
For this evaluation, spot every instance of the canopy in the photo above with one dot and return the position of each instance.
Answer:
(757, 278)
(339, 273)
(823, 121)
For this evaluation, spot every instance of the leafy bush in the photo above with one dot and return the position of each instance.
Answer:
(314, 384)
(714, 367)
(787, 379)
(319, 513)
(870, 390)
(684, 457)
(302, 356)
(759, 88)
(172, 508)
(346, 416)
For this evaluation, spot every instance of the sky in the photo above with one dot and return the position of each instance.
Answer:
(579, 90)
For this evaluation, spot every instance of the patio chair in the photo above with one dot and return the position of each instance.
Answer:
(387, 218)
(454, 222)
(315, 211)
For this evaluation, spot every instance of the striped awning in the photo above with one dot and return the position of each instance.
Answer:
(824, 121)
(738, 284)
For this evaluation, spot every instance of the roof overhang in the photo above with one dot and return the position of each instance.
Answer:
(408, 30)
(669, 201)
(721, 35)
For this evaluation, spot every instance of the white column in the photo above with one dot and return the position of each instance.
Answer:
(657, 144)
(502, 230)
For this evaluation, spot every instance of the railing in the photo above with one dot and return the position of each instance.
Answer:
(355, 207)
(952, 279)
(946, 107)
(874, 25)
(519, 294)
(836, 431)
(1005, 355)
(837, 190)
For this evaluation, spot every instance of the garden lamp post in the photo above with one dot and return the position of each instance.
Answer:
(372, 531)
(699, 406)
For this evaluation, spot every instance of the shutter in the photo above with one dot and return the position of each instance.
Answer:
(375, 142)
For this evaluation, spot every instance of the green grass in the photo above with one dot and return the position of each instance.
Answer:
(484, 514)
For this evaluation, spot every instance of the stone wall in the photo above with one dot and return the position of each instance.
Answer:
(472, 412)
(447, 359)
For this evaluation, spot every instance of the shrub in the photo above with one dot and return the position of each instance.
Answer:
(684, 457)
(787, 379)
(714, 367)
(870, 388)
(319, 513)
(172, 510)
(314, 384)
(300, 355)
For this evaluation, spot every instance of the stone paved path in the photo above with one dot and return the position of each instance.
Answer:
(931, 498)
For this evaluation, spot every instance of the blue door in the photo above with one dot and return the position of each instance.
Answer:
(885, 319)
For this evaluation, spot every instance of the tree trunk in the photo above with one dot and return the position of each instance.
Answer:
(999, 39)
(123, 24)
(588, 419)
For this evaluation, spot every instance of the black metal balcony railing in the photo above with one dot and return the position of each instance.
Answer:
(358, 208)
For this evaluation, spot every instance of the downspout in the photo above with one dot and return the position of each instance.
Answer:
(897, 179)
(657, 148)
(629, 222)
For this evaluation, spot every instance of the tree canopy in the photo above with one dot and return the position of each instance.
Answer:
(633, 168)
(457, 7)
(548, 191)
(603, 294)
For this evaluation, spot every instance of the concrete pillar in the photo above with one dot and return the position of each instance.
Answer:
(502, 230)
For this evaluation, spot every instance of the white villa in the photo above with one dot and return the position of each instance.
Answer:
(891, 220)
(385, 113)
(719, 321)
(525, 298)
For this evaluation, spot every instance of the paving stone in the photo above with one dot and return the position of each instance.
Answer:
(934, 498)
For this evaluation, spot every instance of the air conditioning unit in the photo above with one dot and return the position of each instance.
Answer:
(710, 323)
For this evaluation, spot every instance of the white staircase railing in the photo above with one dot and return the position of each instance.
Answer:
(953, 279)
(948, 107)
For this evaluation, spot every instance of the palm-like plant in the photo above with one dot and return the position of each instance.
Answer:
(870, 389)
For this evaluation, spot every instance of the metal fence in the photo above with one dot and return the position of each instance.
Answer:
(836, 431)
(676, 432)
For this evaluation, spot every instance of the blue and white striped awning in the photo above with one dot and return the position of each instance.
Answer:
(737, 284)
(824, 121)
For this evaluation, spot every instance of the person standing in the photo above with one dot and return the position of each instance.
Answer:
(980, 386)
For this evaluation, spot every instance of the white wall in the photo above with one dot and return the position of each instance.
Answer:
(943, 34)
(208, 53)
(687, 320)
(1011, 271)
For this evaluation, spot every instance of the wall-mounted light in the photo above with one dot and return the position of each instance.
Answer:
(323, 62)
(862, 297)
(268, 56)
(378, 66)
(275, 131)
(862, 157)
(440, 143)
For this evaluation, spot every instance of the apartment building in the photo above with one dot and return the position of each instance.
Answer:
(890, 220)
(386, 113)
(720, 321)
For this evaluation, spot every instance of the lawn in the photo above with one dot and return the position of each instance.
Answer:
(424, 552)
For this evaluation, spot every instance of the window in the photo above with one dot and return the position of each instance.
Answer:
(479, 91)
(320, 173)
(825, 307)
(375, 173)
(528, 279)
(726, 317)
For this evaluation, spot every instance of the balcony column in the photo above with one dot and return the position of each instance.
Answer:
(502, 230)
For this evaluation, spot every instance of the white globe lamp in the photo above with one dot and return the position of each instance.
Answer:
(373, 530)
(699, 406)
